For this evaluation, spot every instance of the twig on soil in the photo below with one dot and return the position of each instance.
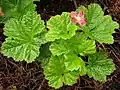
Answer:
(87, 87)
(41, 85)
(6, 67)
(101, 2)
(115, 56)
(102, 46)
(15, 65)
(75, 3)
(114, 53)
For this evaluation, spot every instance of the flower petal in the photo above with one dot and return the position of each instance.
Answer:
(82, 22)
(81, 13)
(73, 14)
(74, 20)
(78, 18)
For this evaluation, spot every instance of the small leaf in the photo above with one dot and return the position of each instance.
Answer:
(79, 43)
(59, 47)
(22, 42)
(57, 74)
(83, 69)
(99, 27)
(60, 26)
(83, 45)
(73, 62)
(82, 8)
(99, 66)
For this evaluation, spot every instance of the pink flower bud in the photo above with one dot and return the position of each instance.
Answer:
(78, 18)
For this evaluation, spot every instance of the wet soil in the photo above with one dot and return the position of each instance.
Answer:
(23, 76)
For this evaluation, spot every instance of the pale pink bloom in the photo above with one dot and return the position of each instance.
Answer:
(78, 18)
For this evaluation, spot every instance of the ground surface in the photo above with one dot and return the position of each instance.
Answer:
(25, 76)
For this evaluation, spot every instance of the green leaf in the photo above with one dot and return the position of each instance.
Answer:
(59, 47)
(57, 74)
(15, 8)
(99, 66)
(73, 62)
(22, 42)
(82, 70)
(36, 0)
(80, 45)
(45, 55)
(99, 27)
(81, 8)
(60, 26)
(41, 37)
(45, 52)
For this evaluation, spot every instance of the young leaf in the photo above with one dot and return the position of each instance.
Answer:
(82, 44)
(81, 8)
(99, 27)
(99, 66)
(59, 47)
(60, 26)
(82, 70)
(22, 42)
(57, 74)
(73, 62)
(78, 44)
(15, 8)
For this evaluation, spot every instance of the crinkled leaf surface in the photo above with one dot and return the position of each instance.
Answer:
(82, 44)
(22, 42)
(99, 66)
(73, 62)
(82, 70)
(60, 26)
(57, 74)
(99, 27)
(15, 8)
(79, 44)
(59, 47)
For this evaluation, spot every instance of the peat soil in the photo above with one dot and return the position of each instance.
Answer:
(23, 76)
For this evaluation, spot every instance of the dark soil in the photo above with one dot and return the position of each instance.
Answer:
(23, 76)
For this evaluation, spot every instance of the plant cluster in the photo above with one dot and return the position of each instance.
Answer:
(62, 44)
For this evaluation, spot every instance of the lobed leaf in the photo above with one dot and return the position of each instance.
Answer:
(60, 27)
(78, 44)
(22, 42)
(73, 62)
(59, 47)
(99, 27)
(99, 66)
(57, 74)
